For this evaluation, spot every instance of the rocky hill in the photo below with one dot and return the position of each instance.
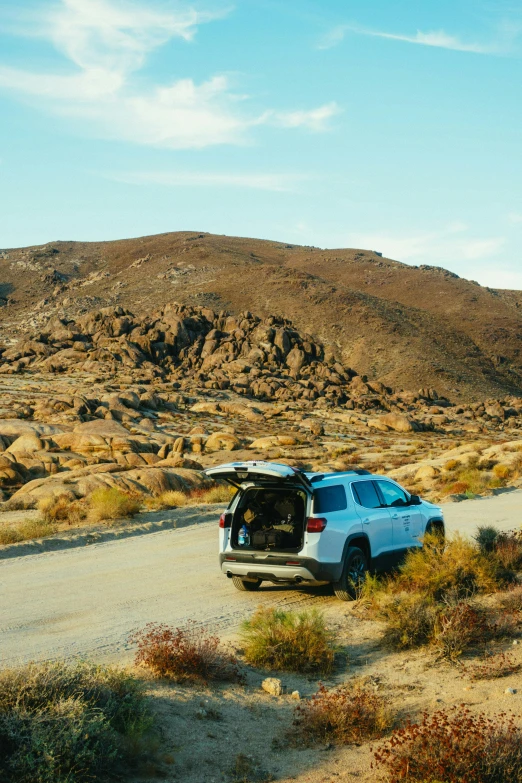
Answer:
(406, 327)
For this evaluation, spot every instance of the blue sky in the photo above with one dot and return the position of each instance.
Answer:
(389, 126)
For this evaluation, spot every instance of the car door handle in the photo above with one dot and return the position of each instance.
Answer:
(366, 521)
(395, 516)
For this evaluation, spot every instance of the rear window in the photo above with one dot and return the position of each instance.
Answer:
(328, 499)
(365, 494)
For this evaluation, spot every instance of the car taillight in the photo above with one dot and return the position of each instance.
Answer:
(225, 520)
(315, 524)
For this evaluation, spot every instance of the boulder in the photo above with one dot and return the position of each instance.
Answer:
(26, 444)
(222, 441)
(393, 421)
(427, 473)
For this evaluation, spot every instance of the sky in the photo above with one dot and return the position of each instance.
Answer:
(394, 127)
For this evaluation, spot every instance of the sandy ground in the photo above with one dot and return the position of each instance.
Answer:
(87, 600)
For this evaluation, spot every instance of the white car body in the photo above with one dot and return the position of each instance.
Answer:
(340, 503)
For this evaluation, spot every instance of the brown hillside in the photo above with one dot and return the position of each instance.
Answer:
(407, 326)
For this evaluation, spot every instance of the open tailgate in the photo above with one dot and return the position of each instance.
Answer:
(258, 472)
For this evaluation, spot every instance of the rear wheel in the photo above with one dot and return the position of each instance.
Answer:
(353, 575)
(245, 585)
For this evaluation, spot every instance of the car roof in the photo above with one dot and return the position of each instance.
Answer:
(356, 474)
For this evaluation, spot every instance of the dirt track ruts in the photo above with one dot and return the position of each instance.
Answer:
(86, 601)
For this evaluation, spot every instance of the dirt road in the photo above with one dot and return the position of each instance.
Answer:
(86, 601)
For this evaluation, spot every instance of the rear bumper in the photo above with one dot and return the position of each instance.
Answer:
(273, 568)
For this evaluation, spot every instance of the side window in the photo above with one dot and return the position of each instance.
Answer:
(327, 499)
(393, 495)
(365, 494)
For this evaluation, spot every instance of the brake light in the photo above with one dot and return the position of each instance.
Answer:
(315, 524)
(224, 520)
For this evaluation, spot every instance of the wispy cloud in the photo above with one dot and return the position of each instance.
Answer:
(105, 42)
(451, 243)
(437, 38)
(515, 217)
(315, 119)
(251, 180)
(454, 247)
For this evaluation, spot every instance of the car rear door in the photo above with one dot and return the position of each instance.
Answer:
(376, 520)
(405, 518)
(259, 473)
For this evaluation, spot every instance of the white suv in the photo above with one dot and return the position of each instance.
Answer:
(284, 525)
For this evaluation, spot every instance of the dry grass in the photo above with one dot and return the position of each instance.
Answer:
(107, 503)
(455, 568)
(432, 598)
(188, 654)
(26, 530)
(350, 713)
(62, 723)
(221, 493)
(288, 641)
(62, 510)
(171, 499)
(177, 499)
(472, 479)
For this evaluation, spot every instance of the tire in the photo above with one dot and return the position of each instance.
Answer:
(244, 585)
(354, 572)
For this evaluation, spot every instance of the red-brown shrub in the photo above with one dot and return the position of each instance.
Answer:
(183, 654)
(492, 667)
(454, 747)
(347, 714)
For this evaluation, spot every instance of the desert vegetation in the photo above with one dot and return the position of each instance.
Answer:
(455, 746)
(188, 654)
(436, 597)
(351, 713)
(281, 640)
(61, 723)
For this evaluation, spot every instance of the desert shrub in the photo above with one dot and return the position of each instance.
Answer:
(455, 567)
(171, 499)
(502, 471)
(454, 747)
(291, 641)
(247, 769)
(184, 654)
(347, 714)
(61, 723)
(463, 625)
(112, 503)
(457, 628)
(410, 620)
(492, 667)
(452, 464)
(472, 479)
(459, 488)
(511, 602)
(221, 493)
(486, 538)
(60, 508)
(508, 551)
(26, 530)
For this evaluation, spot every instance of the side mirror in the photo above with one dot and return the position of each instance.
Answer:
(415, 500)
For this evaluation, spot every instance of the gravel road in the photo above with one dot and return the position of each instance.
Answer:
(86, 601)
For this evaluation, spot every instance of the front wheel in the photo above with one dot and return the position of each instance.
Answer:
(246, 585)
(353, 575)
